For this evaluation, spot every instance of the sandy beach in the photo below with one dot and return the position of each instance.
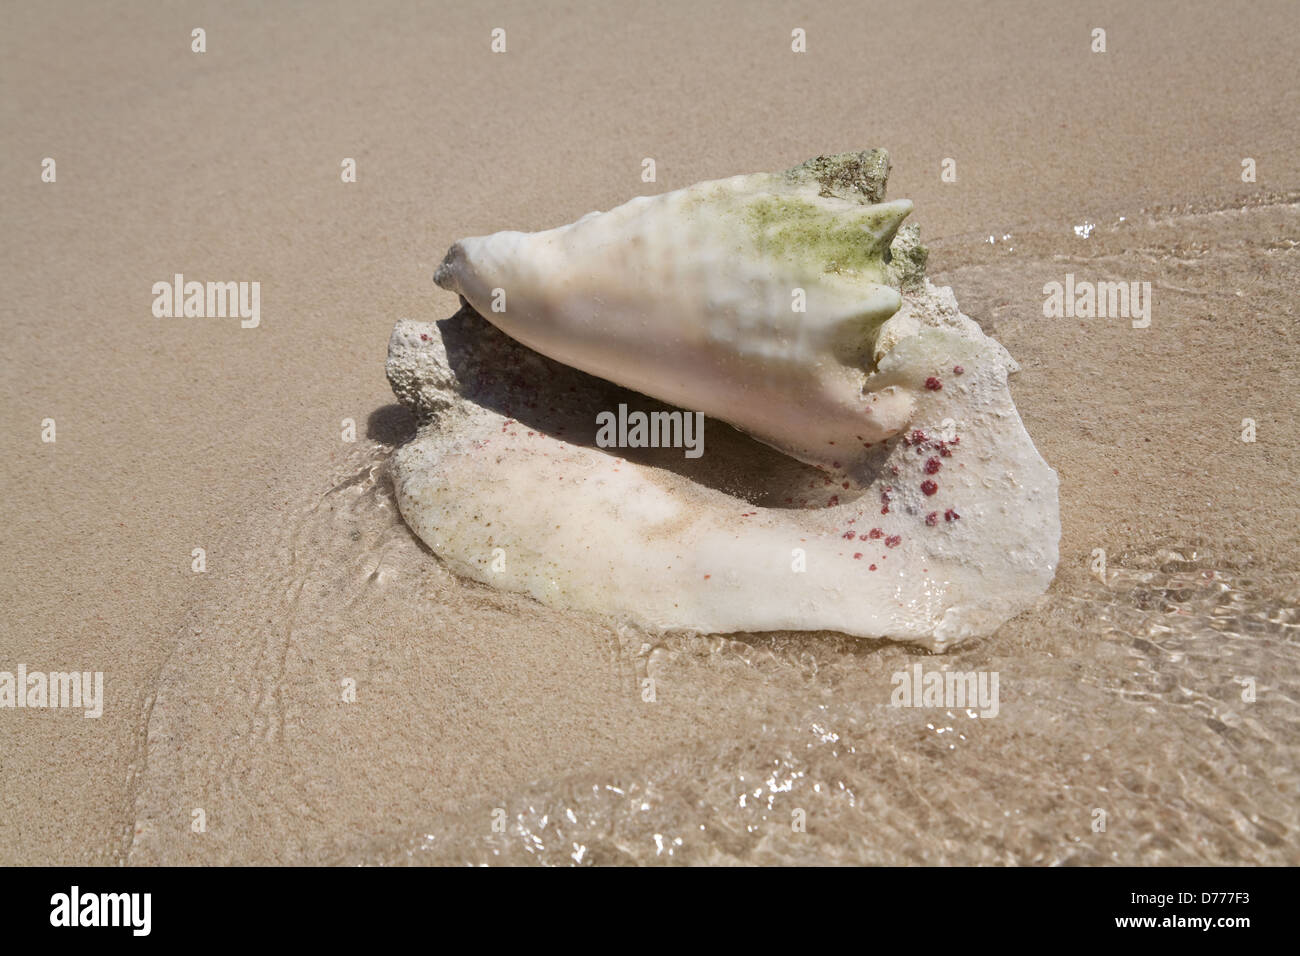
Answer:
(1121, 690)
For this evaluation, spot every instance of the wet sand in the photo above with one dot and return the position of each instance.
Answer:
(223, 688)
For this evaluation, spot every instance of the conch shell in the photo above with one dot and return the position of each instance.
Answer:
(754, 299)
(789, 305)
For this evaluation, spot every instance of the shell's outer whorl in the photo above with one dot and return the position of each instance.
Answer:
(727, 297)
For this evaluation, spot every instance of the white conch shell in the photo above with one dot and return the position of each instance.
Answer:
(755, 299)
(931, 536)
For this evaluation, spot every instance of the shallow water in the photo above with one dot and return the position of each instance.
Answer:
(1121, 692)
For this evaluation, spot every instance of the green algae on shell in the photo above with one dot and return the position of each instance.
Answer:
(834, 237)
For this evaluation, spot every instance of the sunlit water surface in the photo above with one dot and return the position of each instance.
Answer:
(1149, 712)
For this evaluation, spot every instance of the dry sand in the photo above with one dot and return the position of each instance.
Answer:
(223, 688)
